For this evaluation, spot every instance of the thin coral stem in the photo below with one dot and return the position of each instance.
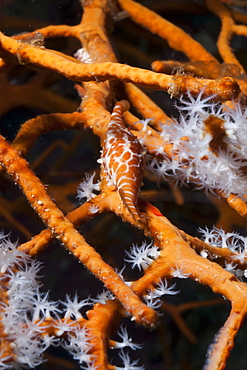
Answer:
(145, 106)
(216, 252)
(32, 129)
(102, 319)
(219, 350)
(227, 24)
(175, 36)
(78, 216)
(238, 204)
(198, 68)
(179, 320)
(240, 30)
(92, 31)
(225, 88)
(5, 211)
(58, 30)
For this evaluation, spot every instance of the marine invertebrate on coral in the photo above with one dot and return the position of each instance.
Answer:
(123, 158)
(53, 159)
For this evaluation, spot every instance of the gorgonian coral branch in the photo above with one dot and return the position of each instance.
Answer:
(205, 146)
(226, 88)
(64, 230)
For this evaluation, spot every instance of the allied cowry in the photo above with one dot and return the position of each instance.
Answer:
(123, 158)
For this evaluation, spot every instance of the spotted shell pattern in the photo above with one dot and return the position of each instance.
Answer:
(123, 158)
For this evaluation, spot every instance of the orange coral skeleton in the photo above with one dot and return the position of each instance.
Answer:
(101, 81)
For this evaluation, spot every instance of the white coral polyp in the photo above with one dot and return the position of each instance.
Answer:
(142, 256)
(25, 312)
(87, 187)
(194, 160)
(19, 312)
